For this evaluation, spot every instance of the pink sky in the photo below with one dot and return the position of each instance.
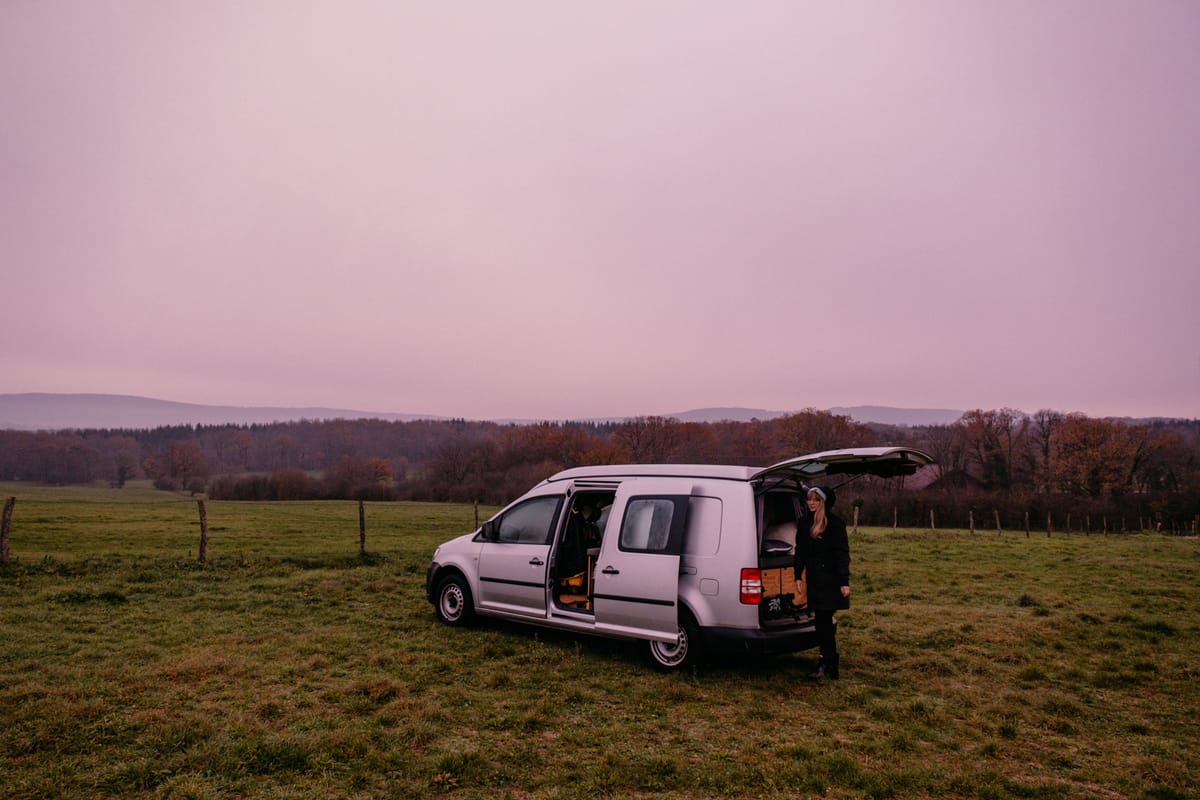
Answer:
(572, 209)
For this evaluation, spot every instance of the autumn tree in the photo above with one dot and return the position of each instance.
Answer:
(1094, 457)
(232, 447)
(64, 457)
(559, 444)
(992, 438)
(459, 471)
(948, 446)
(696, 444)
(813, 431)
(603, 452)
(1043, 430)
(751, 444)
(283, 451)
(359, 478)
(125, 466)
(291, 484)
(648, 440)
(186, 462)
(1170, 462)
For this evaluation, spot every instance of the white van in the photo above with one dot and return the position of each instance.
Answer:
(688, 557)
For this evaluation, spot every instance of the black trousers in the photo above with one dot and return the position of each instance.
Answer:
(826, 635)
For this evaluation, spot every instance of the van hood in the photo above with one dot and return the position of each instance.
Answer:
(883, 462)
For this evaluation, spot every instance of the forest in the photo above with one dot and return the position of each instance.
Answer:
(1048, 470)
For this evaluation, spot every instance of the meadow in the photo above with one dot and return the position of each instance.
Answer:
(289, 665)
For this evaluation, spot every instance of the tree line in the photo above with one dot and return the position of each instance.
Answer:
(1062, 469)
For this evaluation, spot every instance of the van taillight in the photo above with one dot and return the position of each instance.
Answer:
(751, 593)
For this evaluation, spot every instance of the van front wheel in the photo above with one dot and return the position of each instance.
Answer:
(670, 657)
(454, 601)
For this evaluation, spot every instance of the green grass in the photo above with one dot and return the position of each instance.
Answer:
(289, 666)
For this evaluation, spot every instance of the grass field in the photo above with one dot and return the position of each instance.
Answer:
(288, 666)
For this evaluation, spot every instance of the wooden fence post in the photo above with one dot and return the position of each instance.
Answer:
(1026, 524)
(1047, 524)
(971, 519)
(476, 515)
(856, 519)
(1106, 524)
(932, 521)
(362, 530)
(895, 518)
(1087, 522)
(5, 527)
(203, 531)
(996, 513)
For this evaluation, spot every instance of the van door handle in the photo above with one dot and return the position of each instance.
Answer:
(611, 571)
(535, 561)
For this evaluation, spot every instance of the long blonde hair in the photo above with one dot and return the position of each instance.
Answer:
(819, 519)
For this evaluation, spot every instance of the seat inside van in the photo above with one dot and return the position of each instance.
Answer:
(779, 515)
(577, 550)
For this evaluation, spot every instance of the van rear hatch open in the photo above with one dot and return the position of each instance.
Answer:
(883, 462)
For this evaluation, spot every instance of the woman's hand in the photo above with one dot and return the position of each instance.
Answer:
(845, 591)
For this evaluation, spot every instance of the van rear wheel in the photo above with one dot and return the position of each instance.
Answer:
(670, 657)
(454, 605)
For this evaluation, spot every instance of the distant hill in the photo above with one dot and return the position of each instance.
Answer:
(726, 414)
(41, 411)
(879, 414)
(900, 416)
(47, 411)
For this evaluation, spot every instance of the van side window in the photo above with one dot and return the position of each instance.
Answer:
(653, 524)
(531, 522)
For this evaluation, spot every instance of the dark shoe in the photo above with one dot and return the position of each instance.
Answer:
(831, 668)
(820, 672)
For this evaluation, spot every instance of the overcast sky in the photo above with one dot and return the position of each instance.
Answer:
(569, 209)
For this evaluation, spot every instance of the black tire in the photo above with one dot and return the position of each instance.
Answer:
(452, 601)
(670, 658)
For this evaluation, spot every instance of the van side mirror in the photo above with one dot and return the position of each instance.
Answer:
(488, 530)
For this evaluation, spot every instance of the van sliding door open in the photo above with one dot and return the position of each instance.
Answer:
(637, 574)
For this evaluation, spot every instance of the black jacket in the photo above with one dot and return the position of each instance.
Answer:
(828, 563)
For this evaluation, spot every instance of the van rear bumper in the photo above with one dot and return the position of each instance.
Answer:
(760, 640)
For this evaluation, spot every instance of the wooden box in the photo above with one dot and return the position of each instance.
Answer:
(777, 581)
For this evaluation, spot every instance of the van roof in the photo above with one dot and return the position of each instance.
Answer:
(719, 471)
(885, 462)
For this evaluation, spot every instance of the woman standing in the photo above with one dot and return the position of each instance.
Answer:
(823, 557)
